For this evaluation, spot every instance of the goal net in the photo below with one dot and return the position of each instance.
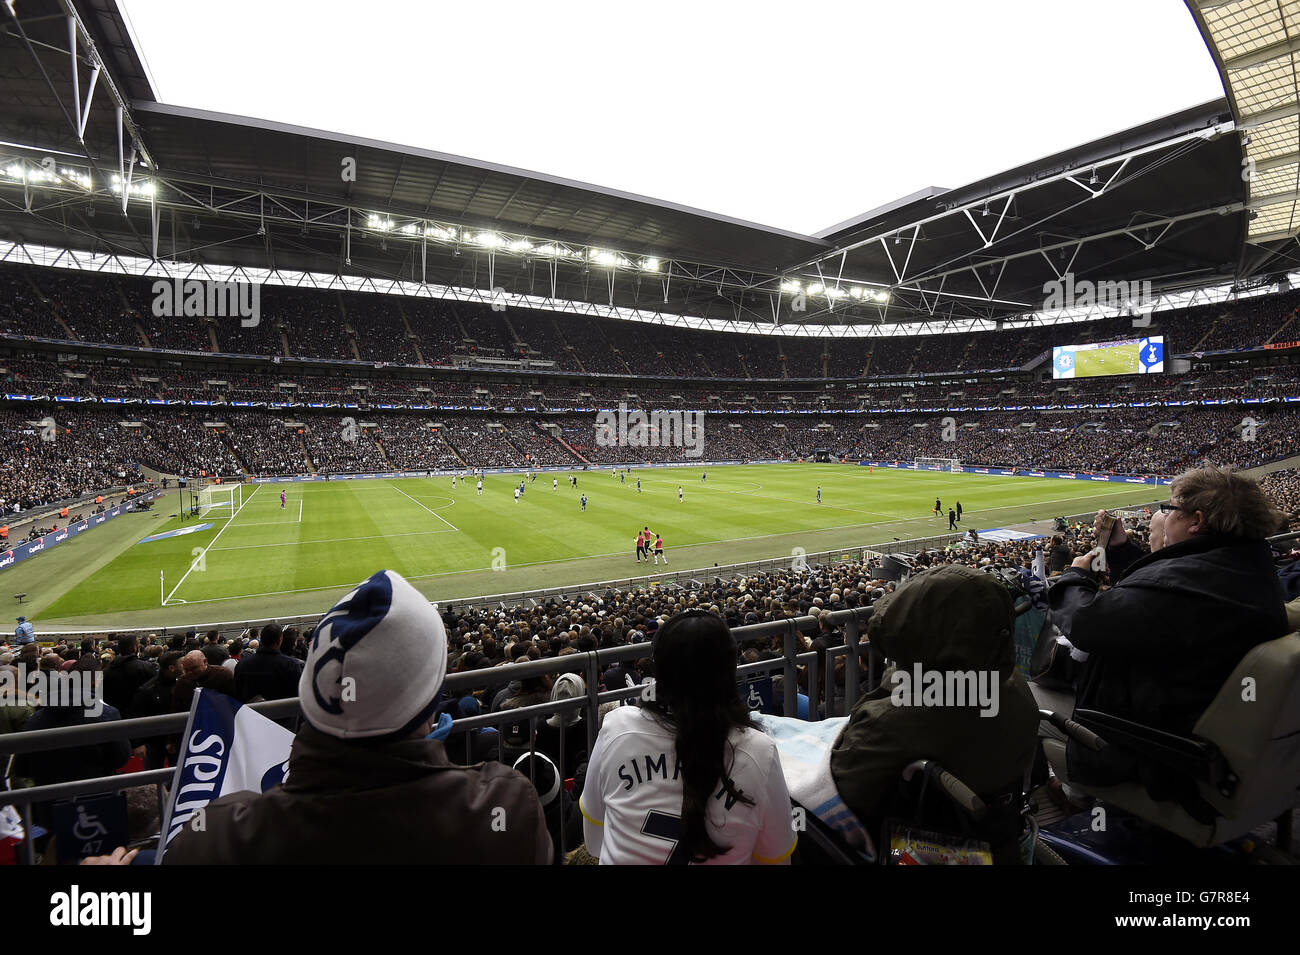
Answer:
(220, 499)
(946, 464)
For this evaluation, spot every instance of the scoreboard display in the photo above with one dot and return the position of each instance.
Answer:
(1138, 356)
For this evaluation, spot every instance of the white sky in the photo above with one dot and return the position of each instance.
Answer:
(792, 115)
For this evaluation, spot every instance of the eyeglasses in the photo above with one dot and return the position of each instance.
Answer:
(1174, 507)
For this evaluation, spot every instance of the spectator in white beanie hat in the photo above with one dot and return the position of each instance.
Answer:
(366, 782)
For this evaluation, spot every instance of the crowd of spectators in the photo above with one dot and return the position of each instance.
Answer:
(94, 449)
(183, 444)
(25, 309)
(118, 310)
(413, 444)
(342, 449)
(313, 321)
(481, 443)
(1283, 489)
(379, 328)
(263, 443)
(47, 458)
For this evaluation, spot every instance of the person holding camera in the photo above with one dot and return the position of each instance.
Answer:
(1178, 620)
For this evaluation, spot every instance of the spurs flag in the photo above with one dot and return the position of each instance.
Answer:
(227, 748)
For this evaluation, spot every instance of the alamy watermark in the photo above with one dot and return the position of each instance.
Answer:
(78, 908)
(947, 688)
(653, 429)
(1134, 298)
(195, 298)
(58, 689)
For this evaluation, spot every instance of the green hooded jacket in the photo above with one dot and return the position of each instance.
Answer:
(952, 618)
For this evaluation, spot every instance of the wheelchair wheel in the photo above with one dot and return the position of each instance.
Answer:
(1045, 855)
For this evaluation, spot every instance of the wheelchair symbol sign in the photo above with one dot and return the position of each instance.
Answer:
(87, 826)
(758, 696)
(90, 826)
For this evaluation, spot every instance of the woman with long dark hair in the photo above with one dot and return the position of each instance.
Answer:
(685, 777)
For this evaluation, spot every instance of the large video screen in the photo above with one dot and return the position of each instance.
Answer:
(1139, 356)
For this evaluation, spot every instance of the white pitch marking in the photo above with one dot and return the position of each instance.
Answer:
(429, 509)
(204, 552)
(334, 540)
(902, 520)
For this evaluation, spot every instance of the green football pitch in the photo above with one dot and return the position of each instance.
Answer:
(1116, 360)
(268, 560)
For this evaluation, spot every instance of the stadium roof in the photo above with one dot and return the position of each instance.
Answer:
(1164, 202)
(1256, 48)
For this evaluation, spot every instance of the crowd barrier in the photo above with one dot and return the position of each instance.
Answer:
(590, 665)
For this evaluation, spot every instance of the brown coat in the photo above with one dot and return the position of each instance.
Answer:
(349, 802)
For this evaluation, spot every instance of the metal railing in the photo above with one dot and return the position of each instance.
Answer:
(589, 665)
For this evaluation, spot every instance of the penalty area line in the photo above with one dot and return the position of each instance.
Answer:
(204, 553)
(429, 509)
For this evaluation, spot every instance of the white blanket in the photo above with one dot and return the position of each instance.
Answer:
(805, 751)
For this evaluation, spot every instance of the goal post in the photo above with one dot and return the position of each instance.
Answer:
(946, 464)
(220, 499)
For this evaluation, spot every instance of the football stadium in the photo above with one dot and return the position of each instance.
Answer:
(963, 531)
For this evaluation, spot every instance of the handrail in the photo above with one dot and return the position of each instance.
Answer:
(147, 726)
(589, 662)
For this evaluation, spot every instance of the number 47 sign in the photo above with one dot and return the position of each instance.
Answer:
(90, 826)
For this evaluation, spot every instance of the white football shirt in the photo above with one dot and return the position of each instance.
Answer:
(632, 800)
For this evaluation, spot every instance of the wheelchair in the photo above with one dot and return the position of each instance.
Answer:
(1240, 769)
(935, 818)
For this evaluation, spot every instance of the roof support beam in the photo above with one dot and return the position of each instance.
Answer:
(82, 112)
(1164, 221)
(1198, 135)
